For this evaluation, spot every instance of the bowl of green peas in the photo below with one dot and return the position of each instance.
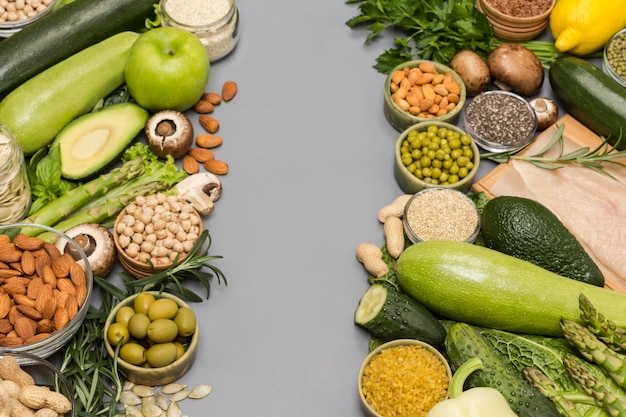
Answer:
(435, 155)
(614, 61)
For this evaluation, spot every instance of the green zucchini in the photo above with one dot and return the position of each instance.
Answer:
(63, 33)
(38, 109)
(389, 314)
(464, 342)
(481, 286)
(590, 96)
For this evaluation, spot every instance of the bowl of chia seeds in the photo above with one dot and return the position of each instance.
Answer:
(614, 61)
(500, 121)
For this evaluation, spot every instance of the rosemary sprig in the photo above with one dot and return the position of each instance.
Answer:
(590, 158)
(90, 370)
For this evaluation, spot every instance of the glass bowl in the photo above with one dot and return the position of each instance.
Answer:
(45, 374)
(615, 51)
(46, 340)
(410, 183)
(383, 357)
(402, 118)
(500, 121)
(153, 376)
(441, 213)
(9, 28)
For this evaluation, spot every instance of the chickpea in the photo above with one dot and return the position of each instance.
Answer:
(137, 238)
(139, 226)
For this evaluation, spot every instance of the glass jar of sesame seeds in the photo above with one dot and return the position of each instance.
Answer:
(14, 185)
(214, 22)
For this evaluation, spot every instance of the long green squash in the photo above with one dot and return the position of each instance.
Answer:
(63, 33)
(483, 287)
(38, 109)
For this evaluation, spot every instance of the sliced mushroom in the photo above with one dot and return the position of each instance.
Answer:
(201, 190)
(546, 111)
(169, 132)
(97, 243)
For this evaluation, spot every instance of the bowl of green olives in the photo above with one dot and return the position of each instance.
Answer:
(155, 335)
(435, 155)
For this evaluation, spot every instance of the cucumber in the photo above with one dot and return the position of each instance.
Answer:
(590, 96)
(65, 32)
(480, 286)
(389, 314)
(465, 342)
(38, 109)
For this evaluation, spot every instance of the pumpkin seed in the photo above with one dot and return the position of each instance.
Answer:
(200, 391)
(129, 398)
(152, 410)
(173, 388)
(133, 411)
(148, 401)
(180, 395)
(143, 390)
(174, 410)
(128, 385)
(162, 401)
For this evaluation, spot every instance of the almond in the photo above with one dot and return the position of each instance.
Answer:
(216, 167)
(48, 276)
(37, 338)
(8, 273)
(13, 288)
(41, 261)
(9, 253)
(201, 155)
(24, 242)
(61, 318)
(229, 90)
(29, 312)
(23, 300)
(61, 264)
(213, 98)
(72, 307)
(77, 275)
(45, 326)
(5, 326)
(51, 249)
(11, 341)
(25, 327)
(5, 305)
(65, 285)
(203, 107)
(28, 263)
(5, 239)
(45, 302)
(190, 165)
(81, 294)
(208, 141)
(210, 124)
(32, 291)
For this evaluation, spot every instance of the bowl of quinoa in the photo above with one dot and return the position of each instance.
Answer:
(403, 378)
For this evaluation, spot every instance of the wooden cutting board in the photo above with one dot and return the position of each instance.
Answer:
(574, 131)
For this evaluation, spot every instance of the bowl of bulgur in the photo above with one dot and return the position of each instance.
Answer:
(403, 378)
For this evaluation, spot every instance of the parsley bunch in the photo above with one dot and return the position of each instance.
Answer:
(431, 29)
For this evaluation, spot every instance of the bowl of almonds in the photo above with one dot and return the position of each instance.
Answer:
(420, 91)
(153, 232)
(45, 292)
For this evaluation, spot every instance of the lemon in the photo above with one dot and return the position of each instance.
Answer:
(581, 27)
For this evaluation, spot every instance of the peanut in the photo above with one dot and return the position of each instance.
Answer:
(394, 235)
(415, 91)
(36, 397)
(372, 259)
(396, 208)
(10, 369)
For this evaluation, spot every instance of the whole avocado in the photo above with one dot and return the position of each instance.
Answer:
(528, 230)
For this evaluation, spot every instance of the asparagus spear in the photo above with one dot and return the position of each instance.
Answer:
(594, 350)
(605, 330)
(550, 389)
(75, 198)
(603, 396)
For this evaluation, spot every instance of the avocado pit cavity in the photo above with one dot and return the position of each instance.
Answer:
(169, 132)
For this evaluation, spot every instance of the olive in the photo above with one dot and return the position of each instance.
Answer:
(117, 334)
(180, 350)
(161, 354)
(133, 353)
(162, 331)
(138, 325)
(163, 308)
(142, 302)
(185, 321)
(123, 315)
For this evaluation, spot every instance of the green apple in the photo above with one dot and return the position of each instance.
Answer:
(167, 68)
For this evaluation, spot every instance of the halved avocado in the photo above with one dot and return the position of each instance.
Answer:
(93, 141)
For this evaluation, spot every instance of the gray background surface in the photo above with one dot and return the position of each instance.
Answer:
(310, 155)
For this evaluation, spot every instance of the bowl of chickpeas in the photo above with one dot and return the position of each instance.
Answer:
(16, 15)
(422, 90)
(435, 155)
(154, 232)
(155, 335)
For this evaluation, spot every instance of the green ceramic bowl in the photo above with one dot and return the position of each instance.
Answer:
(410, 184)
(153, 376)
(401, 119)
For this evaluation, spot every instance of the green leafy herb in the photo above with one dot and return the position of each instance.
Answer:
(44, 175)
(590, 158)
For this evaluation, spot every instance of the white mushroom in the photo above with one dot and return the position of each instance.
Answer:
(546, 111)
(97, 243)
(169, 132)
(201, 190)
